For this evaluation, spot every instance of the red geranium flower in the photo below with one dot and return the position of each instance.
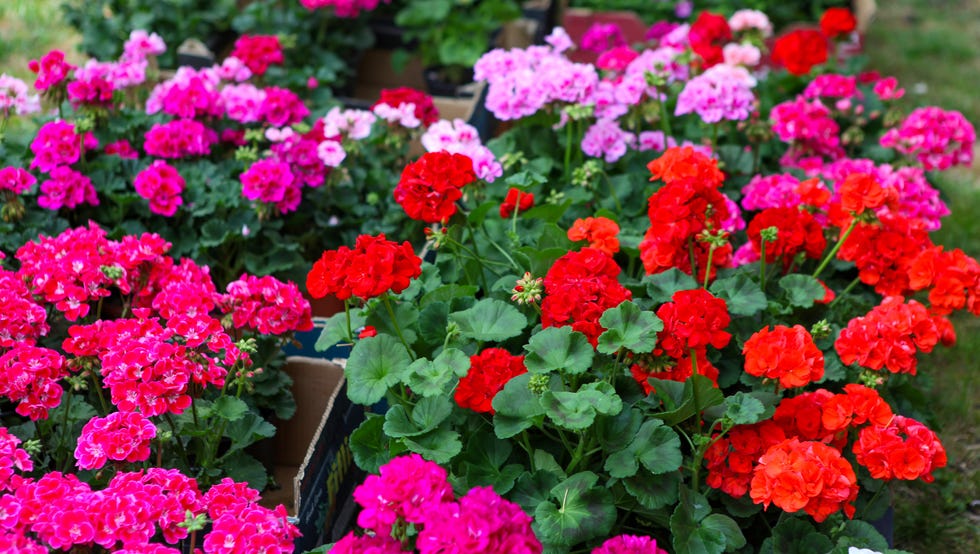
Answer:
(375, 266)
(516, 198)
(708, 35)
(425, 109)
(798, 51)
(797, 232)
(731, 459)
(862, 191)
(693, 319)
(258, 52)
(837, 21)
(430, 186)
(888, 455)
(784, 353)
(599, 231)
(682, 163)
(489, 372)
(808, 476)
(889, 336)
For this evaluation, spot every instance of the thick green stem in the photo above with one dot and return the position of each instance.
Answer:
(762, 265)
(696, 468)
(180, 446)
(707, 269)
(568, 150)
(97, 385)
(835, 249)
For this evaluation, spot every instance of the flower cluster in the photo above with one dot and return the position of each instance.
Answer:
(938, 139)
(489, 372)
(162, 185)
(120, 436)
(267, 305)
(258, 52)
(785, 354)
(373, 267)
(889, 336)
(430, 186)
(412, 490)
(459, 137)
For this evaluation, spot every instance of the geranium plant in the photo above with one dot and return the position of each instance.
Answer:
(705, 344)
(131, 388)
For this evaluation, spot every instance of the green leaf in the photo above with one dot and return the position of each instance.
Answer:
(229, 408)
(742, 294)
(433, 320)
(431, 378)
(668, 391)
(485, 463)
(689, 537)
(662, 286)
(428, 414)
(335, 329)
(369, 445)
(743, 409)
(375, 365)
(489, 320)
(248, 429)
(439, 445)
(602, 396)
(727, 526)
(861, 534)
(652, 492)
(569, 410)
(802, 290)
(629, 328)
(245, 469)
(655, 446)
(558, 348)
(584, 511)
(516, 407)
(616, 432)
(534, 489)
(793, 535)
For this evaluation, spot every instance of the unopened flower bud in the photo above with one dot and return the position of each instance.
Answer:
(249, 345)
(586, 173)
(820, 330)
(871, 379)
(246, 154)
(538, 383)
(528, 289)
(769, 234)
(112, 272)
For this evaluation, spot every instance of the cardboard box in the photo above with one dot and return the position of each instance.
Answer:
(314, 464)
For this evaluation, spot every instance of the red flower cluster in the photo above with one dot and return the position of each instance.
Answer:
(29, 376)
(884, 252)
(858, 405)
(902, 449)
(425, 109)
(799, 50)
(267, 305)
(693, 320)
(808, 476)
(578, 288)
(953, 280)
(258, 52)
(798, 231)
(489, 372)
(889, 336)
(375, 266)
(802, 416)
(862, 191)
(732, 458)
(785, 353)
(709, 33)
(516, 199)
(430, 186)
(837, 21)
(688, 204)
(601, 232)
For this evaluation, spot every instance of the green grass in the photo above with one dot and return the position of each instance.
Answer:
(933, 47)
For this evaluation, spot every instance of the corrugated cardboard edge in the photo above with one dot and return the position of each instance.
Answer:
(298, 479)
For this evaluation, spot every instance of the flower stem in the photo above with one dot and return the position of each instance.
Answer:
(844, 292)
(762, 265)
(398, 329)
(97, 385)
(568, 149)
(835, 249)
(696, 468)
(707, 269)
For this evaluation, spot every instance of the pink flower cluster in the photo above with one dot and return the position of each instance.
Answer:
(721, 92)
(188, 94)
(343, 8)
(58, 511)
(272, 182)
(629, 544)
(600, 37)
(267, 305)
(352, 124)
(16, 180)
(30, 375)
(606, 139)
(282, 107)
(162, 185)
(937, 138)
(12, 457)
(120, 436)
(258, 52)
(410, 489)
(15, 99)
(56, 144)
(459, 137)
(51, 70)
(179, 138)
(810, 130)
(22, 320)
(302, 153)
